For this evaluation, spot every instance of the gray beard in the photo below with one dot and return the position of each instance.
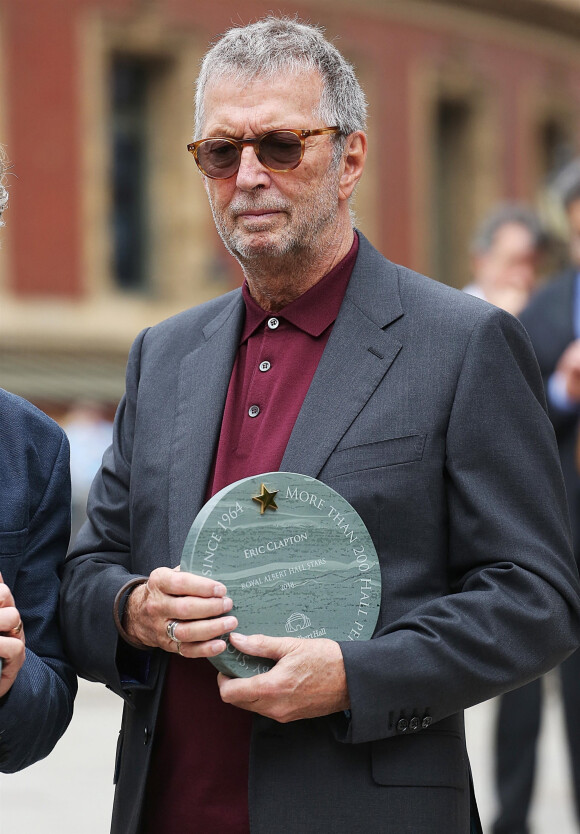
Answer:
(298, 245)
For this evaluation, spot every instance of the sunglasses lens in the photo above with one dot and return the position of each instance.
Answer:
(281, 150)
(218, 158)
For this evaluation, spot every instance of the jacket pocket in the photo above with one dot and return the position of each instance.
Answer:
(428, 759)
(12, 546)
(389, 452)
(12, 542)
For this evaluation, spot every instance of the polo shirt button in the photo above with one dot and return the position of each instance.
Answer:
(265, 366)
(402, 725)
(253, 411)
(273, 323)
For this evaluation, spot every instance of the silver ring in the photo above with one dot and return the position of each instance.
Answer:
(171, 630)
(179, 648)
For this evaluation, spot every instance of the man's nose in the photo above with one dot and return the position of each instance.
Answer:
(251, 172)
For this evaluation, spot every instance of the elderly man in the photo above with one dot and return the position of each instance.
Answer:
(422, 406)
(505, 257)
(37, 684)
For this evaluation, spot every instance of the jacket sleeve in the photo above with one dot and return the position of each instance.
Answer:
(36, 710)
(512, 611)
(101, 563)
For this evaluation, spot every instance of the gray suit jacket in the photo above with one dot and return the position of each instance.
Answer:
(426, 413)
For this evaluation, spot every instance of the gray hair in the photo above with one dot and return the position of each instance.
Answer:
(503, 215)
(281, 45)
(566, 184)
(3, 191)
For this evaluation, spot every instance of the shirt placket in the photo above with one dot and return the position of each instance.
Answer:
(263, 355)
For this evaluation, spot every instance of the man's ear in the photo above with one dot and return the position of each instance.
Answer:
(353, 162)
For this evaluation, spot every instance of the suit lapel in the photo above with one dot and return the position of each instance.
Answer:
(203, 381)
(357, 356)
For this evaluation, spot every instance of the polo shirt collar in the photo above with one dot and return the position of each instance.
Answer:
(313, 311)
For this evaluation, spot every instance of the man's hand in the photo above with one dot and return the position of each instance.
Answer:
(12, 649)
(307, 681)
(569, 367)
(192, 600)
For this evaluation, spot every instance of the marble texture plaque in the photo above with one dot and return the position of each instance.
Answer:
(296, 558)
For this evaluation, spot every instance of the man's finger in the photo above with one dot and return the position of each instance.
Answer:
(210, 648)
(181, 583)
(191, 608)
(260, 645)
(243, 692)
(10, 622)
(6, 598)
(13, 653)
(200, 631)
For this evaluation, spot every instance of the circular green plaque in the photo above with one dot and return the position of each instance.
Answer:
(296, 558)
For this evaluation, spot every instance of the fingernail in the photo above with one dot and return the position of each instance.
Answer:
(240, 638)
(218, 646)
(228, 604)
(229, 623)
(220, 591)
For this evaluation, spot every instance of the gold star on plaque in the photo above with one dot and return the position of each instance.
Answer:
(266, 499)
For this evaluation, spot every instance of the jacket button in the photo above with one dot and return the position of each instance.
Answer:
(414, 724)
(402, 725)
(146, 736)
(426, 722)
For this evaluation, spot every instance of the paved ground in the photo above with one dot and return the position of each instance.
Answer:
(71, 791)
(552, 811)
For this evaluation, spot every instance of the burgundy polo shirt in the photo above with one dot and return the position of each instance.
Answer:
(198, 781)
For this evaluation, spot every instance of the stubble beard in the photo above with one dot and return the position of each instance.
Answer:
(295, 244)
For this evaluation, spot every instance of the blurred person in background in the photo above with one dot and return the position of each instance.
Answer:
(89, 433)
(505, 256)
(37, 684)
(552, 319)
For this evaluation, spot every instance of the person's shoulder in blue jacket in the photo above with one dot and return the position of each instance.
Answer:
(37, 685)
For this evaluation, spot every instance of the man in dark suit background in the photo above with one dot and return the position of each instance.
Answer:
(552, 320)
(421, 405)
(37, 684)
